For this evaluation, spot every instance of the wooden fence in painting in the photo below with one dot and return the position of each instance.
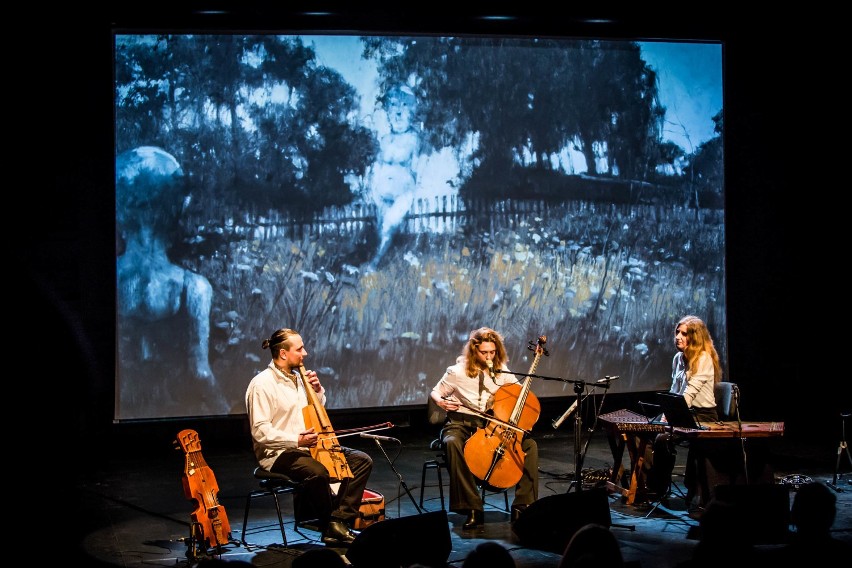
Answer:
(445, 214)
(440, 215)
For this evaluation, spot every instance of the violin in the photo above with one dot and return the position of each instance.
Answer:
(199, 484)
(327, 450)
(493, 453)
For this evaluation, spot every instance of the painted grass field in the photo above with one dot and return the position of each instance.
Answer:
(604, 283)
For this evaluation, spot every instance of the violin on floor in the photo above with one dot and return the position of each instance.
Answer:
(210, 526)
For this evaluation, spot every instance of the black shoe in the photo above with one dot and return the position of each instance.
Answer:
(475, 519)
(517, 511)
(338, 534)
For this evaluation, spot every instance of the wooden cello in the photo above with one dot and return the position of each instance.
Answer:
(327, 450)
(493, 453)
(210, 524)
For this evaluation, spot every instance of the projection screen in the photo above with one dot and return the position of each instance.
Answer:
(384, 195)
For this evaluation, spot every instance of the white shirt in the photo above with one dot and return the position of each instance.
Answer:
(274, 404)
(473, 392)
(696, 386)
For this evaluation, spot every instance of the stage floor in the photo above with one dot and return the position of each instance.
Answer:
(133, 512)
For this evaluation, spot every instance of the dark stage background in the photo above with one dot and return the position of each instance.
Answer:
(68, 314)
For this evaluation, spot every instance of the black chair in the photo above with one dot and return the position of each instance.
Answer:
(727, 397)
(437, 416)
(272, 485)
(437, 463)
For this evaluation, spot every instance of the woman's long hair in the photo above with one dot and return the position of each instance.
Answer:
(699, 341)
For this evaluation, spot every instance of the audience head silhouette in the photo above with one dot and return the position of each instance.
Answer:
(813, 510)
(722, 522)
(489, 554)
(724, 538)
(592, 546)
(812, 514)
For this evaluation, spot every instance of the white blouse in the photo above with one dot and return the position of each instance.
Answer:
(696, 386)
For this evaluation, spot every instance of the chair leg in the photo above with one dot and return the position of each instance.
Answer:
(423, 482)
(437, 466)
(441, 487)
(263, 493)
(245, 519)
(505, 493)
(280, 518)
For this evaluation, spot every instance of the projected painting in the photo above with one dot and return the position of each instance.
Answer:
(385, 195)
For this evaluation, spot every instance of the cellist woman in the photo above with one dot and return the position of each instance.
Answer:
(275, 400)
(466, 392)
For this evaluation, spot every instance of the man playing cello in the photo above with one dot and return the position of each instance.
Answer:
(466, 392)
(276, 400)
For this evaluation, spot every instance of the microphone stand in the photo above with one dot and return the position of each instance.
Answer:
(736, 395)
(579, 387)
(577, 483)
(400, 484)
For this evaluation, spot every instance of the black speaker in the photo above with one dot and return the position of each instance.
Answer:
(419, 539)
(549, 523)
(762, 509)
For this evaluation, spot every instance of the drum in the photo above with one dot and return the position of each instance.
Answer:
(372, 509)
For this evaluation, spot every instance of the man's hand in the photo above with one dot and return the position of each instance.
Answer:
(313, 380)
(307, 439)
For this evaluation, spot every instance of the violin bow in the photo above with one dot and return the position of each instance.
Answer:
(363, 429)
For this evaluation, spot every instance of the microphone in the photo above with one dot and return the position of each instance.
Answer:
(556, 423)
(490, 364)
(606, 379)
(380, 438)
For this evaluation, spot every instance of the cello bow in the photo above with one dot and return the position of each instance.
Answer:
(487, 416)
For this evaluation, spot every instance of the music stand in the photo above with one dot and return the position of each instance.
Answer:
(671, 489)
(677, 414)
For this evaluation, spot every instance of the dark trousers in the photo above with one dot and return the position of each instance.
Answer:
(314, 498)
(660, 462)
(725, 462)
(464, 487)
